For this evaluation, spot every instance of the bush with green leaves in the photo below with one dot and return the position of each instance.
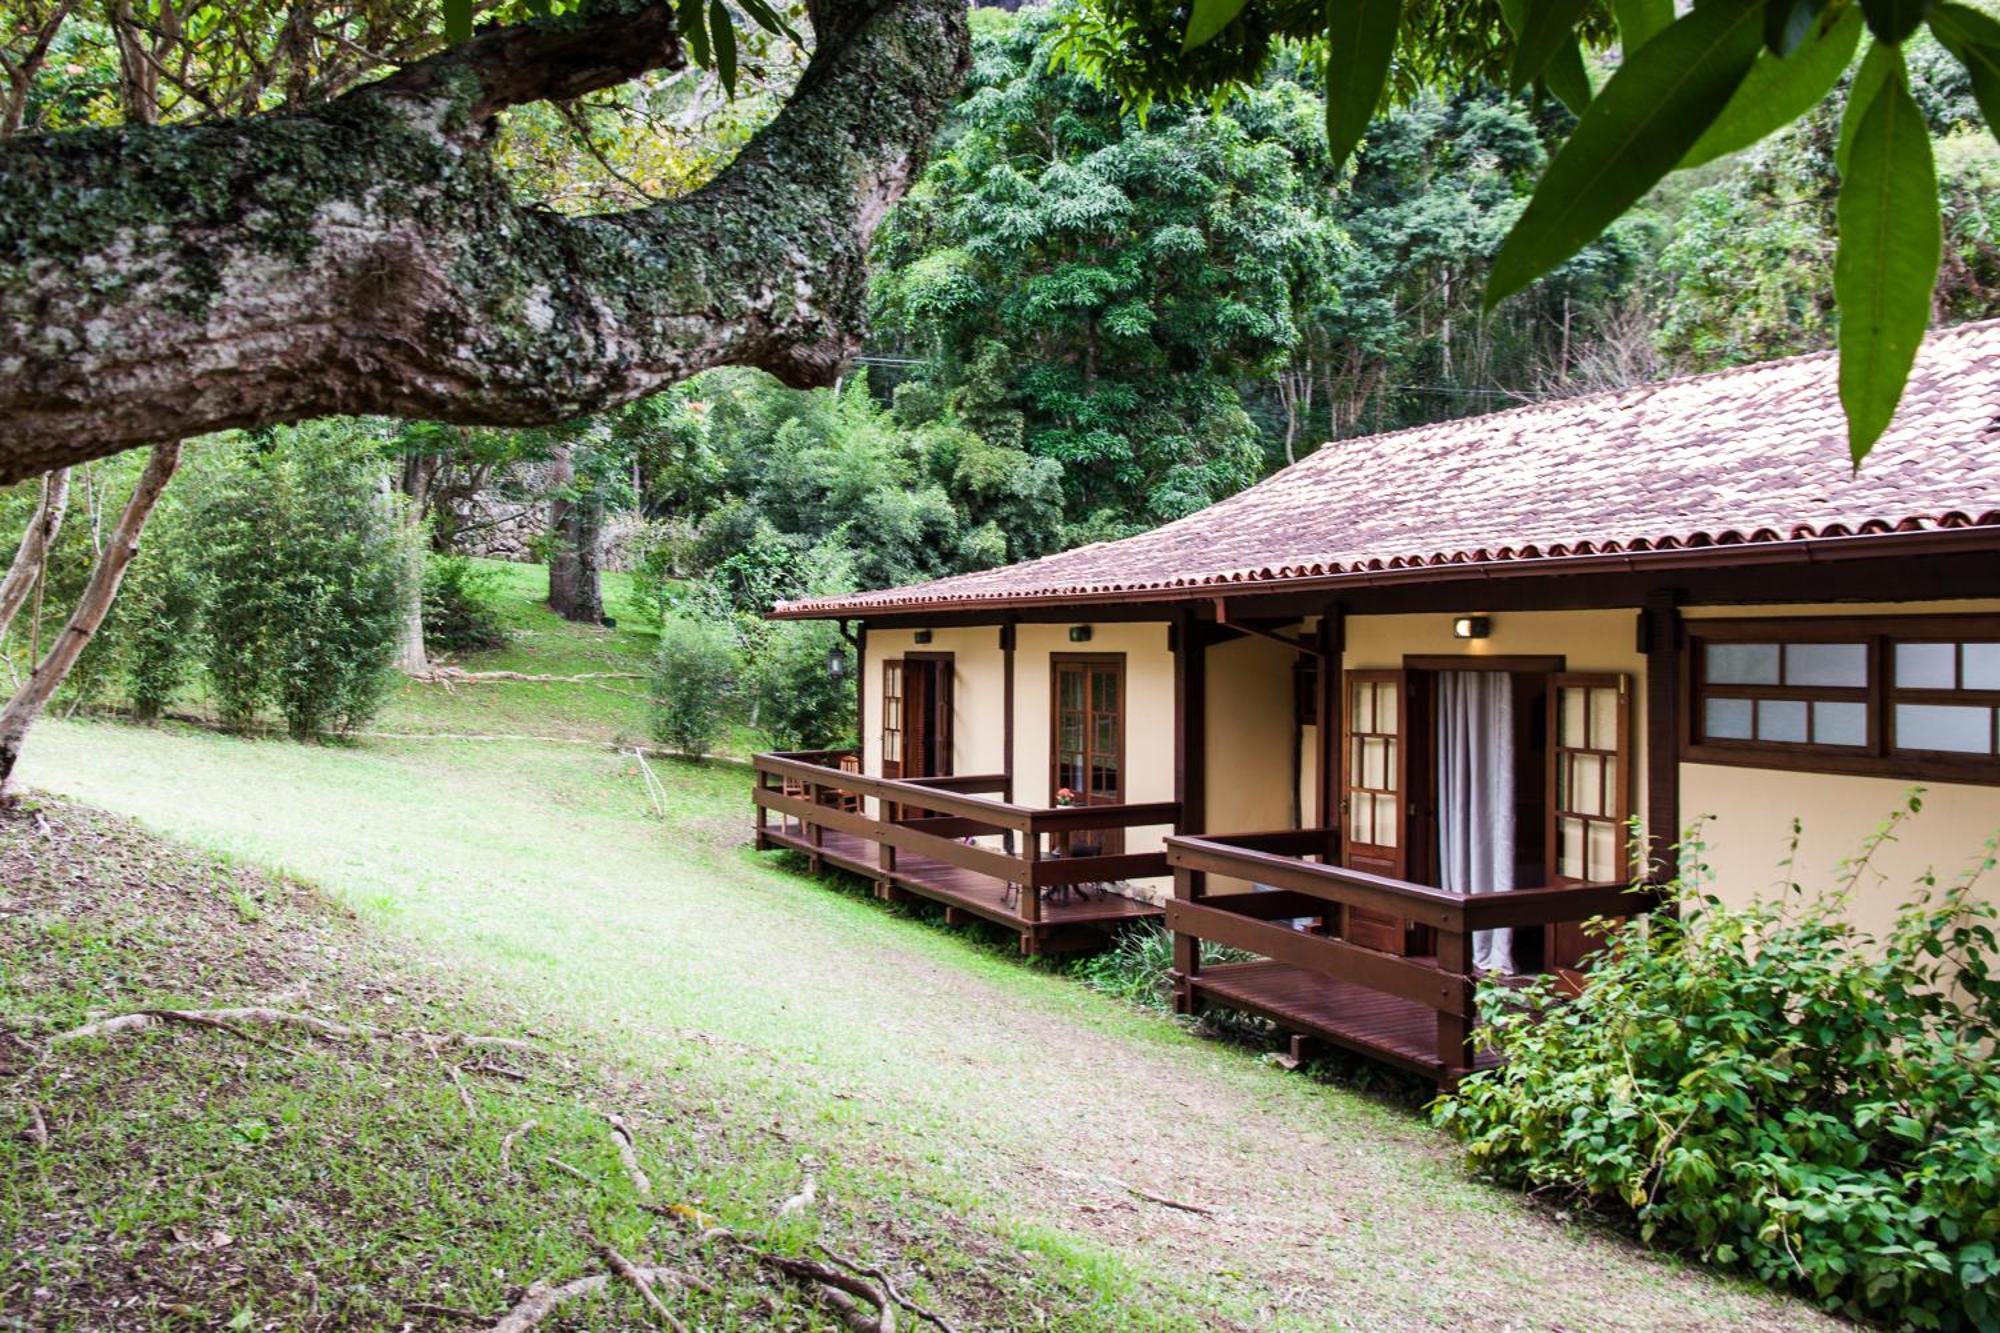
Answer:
(459, 611)
(308, 565)
(801, 705)
(1774, 1088)
(695, 681)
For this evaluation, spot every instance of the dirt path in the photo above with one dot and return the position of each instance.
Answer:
(883, 1046)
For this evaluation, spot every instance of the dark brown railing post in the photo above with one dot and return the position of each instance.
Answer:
(763, 816)
(1454, 1031)
(1189, 886)
(1031, 890)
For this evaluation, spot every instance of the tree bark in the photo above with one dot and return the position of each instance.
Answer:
(36, 542)
(575, 591)
(411, 657)
(91, 607)
(366, 256)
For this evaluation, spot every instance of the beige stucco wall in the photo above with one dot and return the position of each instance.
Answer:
(978, 718)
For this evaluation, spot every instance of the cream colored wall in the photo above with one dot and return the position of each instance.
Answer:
(978, 696)
(1748, 811)
(1250, 728)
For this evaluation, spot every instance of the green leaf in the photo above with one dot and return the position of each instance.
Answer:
(1209, 18)
(1641, 123)
(1568, 79)
(769, 20)
(1545, 26)
(1875, 67)
(1778, 91)
(694, 29)
(1639, 21)
(1887, 263)
(1360, 42)
(1787, 23)
(1893, 20)
(722, 30)
(457, 19)
(1974, 39)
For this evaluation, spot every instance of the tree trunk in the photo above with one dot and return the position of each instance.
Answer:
(98, 594)
(411, 659)
(35, 544)
(366, 256)
(564, 573)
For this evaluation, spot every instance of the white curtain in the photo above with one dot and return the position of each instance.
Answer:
(1476, 796)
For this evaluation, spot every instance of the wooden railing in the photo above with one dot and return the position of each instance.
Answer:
(933, 816)
(1257, 921)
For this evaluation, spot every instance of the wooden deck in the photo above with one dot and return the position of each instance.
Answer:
(1350, 1015)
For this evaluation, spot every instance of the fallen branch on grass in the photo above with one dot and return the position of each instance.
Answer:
(449, 675)
(889, 1288)
(642, 1282)
(1162, 1200)
(801, 1201)
(231, 1021)
(621, 1134)
(38, 1128)
(507, 1144)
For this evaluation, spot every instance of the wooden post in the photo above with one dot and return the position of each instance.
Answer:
(1661, 638)
(1454, 1033)
(815, 830)
(1189, 886)
(1007, 637)
(1332, 639)
(763, 825)
(1031, 892)
(1190, 723)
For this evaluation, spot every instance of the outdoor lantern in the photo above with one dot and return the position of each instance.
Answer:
(1079, 634)
(836, 663)
(923, 636)
(1471, 627)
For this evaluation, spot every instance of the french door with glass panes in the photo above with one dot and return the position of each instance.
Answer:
(1089, 739)
(1590, 794)
(1375, 796)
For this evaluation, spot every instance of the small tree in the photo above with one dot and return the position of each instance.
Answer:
(695, 680)
(801, 703)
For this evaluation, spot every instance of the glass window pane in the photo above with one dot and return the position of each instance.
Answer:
(1925, 666)
(1603, 852)
(1569, 847)
(1361, 821)
(1727, 719)
(1104, 691)
(1842, 664)
(1781, 720)
(1570, 727)
(1385, 709)
(1374, 762)
(1106, 737)
(1586, 784)
(1958, 728)
(1982, 666)
(1385, 820)
(1743, 663)
(1603, 719)
(1840, 724)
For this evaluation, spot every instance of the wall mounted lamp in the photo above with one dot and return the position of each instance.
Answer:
(1079, 634)
(923, 636)
(1472, 627)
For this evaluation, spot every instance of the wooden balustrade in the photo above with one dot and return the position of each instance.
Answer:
(1416, 1012)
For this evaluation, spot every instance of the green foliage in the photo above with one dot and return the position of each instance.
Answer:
(695, 679)
(1774, 1088)
(161, 607)
(307, 563)
(459, 611)
(800, 704)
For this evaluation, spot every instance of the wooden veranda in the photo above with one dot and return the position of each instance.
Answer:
(1413, 1011)
(1033, 870)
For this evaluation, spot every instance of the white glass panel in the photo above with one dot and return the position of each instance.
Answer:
(1982, 666)
(1743, 663)
(1569, 852)
(1840, 724)
(1374, 762)
(1587, 785)
(1603, 852)
(1364, 706)
(1954, 727)
(1385, 820)
(1603, 719)
(1781, 720)
(1727, 720)
(1925, 666)
(1571, 731)
(1826, 664)
(1361, 821)
(1385, 709)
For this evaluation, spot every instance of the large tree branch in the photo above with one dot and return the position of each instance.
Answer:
(157, 282)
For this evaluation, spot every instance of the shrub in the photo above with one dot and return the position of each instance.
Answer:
(694, 684)
(459, 611)
(800, 704)
(1776, 1089)
(1137, 967)
(161, 606)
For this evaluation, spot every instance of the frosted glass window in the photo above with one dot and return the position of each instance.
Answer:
(1743, 663)
(1385, 708)
(1926, 666)
(1603, 719)
(1603, 852)
(1728, 720)
(1957, 728)
(1832, 664)
(1840, 724)
(1364, 707)
(1569, 856)
(1982, 666)
(1587, 794)
(1781, 720)
(1572, 730)
(1385, 820)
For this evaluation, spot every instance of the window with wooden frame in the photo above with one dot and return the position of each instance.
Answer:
(892, 718)
(1913, 696)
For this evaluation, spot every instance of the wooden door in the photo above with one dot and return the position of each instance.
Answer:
(1088, 749)
(1589, 794)
(892, 718)
(927, 707)
(1374, 795)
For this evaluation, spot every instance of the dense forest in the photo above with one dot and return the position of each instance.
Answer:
(1087, 321)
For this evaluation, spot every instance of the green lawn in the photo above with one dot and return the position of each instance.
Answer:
(935, 1084)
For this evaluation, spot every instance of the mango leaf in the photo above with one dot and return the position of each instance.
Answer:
(722, 30)
(1887, 261)
(1893, 20)
(1639, 21)
(1787, 23)
(1974, 38)
(1875, 67)
(1545, 25)
(694, 29)
(1568, 79)
(1360, 41)
(1641, 123)
(1209, 18)
(1778, 90)
(770, 20)
(457, 19)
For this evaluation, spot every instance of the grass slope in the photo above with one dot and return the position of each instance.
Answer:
(937, 1089)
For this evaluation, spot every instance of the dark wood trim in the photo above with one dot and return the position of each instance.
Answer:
(1008, 760)
(1332, 635)
(1056, 662)
(1528, 664)
(860, 642)
(1663, 643)
(1190, 725)
(941, 708)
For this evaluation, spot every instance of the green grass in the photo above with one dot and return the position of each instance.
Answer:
(956, 1104)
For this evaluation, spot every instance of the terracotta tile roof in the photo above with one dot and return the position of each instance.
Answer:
(1737, 458)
